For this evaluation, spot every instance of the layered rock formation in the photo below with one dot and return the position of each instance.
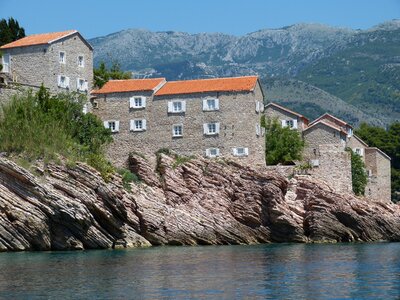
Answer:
(198, 202)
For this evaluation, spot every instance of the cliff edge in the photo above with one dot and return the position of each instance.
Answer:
(59, 207)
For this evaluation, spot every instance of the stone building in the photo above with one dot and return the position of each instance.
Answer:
(208, 117)
(286, 116)
(61, 61)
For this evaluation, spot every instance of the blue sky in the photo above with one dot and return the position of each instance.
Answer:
(96, 18)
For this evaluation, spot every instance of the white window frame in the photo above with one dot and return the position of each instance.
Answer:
(359, 151)
(175, 132)
(212, 152)
(240, 151)
(65, 83)
(206, 106)
(113, 125)
(171, 106)
(133, 103)
(83, 87)
(62, 60)
(134, 125)
(83, 61)
(291, 123)
(215, 126)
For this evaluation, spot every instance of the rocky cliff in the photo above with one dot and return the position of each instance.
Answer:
(198, 202)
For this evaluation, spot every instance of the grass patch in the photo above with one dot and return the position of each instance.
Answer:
(127, 178)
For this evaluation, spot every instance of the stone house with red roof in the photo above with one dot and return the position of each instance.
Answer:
(207, 117)
(286, 117)
(61, 61)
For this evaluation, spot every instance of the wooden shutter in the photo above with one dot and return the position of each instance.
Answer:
(217, 151)
(59, 80)
(283, 122)
(183, 105)
(257, 106)
(205, 107)
(262, 108)
(132, 125)
(143, 101)
(295, 124)
(131, 102)
(170, 106)
(234, 151)
(217, 127)
(258, 131)
(216, 104)
(205, 128)
(106, 124)
(116, 126)
(144, 124)
(246, 151)
(207, 150)
(66, 81)
(78, 87)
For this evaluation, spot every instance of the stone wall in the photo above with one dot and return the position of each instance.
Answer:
(39, 64)
(236, 115)
(7, 92)
(334, 167)
(379, 185)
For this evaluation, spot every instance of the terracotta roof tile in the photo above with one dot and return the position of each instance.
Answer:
(333, 119)
(329, 124)
(232, 84)
(130, 85)
(38, 39)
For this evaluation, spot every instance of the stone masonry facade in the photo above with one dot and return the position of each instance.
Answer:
(30, 66)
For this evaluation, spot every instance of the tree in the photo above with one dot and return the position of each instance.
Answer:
(359, 177)
(389, 142)
(102, 74)
(282, 144)
(10, 31)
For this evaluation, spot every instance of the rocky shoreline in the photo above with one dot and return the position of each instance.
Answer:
(199, 202)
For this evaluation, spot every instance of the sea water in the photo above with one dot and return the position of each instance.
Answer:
(276, 271)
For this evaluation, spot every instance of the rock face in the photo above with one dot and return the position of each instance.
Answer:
(200, 202)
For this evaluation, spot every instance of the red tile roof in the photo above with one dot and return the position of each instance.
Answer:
(232, 84)
(333, 119)
(130, 85)
(38, 39)
(289, 111)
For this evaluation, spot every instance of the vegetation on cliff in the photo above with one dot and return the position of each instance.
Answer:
(282, 144)
(41, 126)
(359, 176)
(389, 142)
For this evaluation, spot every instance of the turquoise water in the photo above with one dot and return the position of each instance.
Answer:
(288, 271)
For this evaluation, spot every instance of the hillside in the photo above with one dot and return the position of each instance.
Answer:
(361, 67)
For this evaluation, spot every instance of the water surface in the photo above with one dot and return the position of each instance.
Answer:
(283, 271)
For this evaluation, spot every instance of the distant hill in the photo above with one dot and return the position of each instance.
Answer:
(359, 67)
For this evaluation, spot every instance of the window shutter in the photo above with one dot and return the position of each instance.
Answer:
(262, 106)
(216, 105)
(207, 150)
(294, 123)
(59, 80)
(361, 151)
(77, 84)
(85, 109)
(131, 102)
(183, 105)
(258, 131)
(132, 125)
(205, 128)
(144, 124)
(283, 123)
(216, 127)
(246, 151)
(86, 85)
(116, 126)
(217, 151)
(106, 124)
(234, 151)
(66, 81)
(205, 104)
(257, 106)
(170, 106)
(143, 101)
(262, 131)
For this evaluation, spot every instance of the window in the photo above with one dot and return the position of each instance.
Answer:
(359, 151)
(112, 125)
(62, 58)
(81, 61)
(177, 130)
(314, 163)
(176, 106)
(211, 128)
(63, 81)
(81, 85)
(210, 104)
(212, 152)
(95, 104)
(240, 151)
(291, 123)
(138, 125)
(259, 106)
(137, 102)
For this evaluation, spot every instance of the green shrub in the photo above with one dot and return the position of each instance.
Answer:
(359, 177)
(128, 177)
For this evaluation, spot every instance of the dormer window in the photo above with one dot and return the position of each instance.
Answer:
(62, 57)
(81, 61)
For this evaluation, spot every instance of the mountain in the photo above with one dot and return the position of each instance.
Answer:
(332, 59)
